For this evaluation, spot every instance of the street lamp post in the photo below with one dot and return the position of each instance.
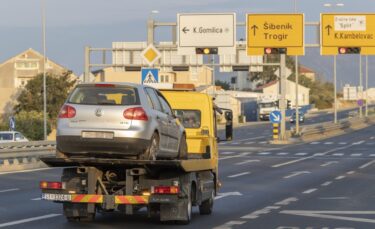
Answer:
(334, 69)
(297, 82)
(44, 71)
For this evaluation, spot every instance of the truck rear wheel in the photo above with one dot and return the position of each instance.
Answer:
(188, 206)
(206, 206)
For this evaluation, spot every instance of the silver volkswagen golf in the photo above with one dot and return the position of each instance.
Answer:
(119, 120)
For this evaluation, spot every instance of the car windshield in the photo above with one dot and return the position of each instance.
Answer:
(6, 136)
(90, 95)
(189, 118)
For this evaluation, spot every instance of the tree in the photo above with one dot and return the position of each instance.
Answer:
(31, 97)
(223, 84)
(30, 123)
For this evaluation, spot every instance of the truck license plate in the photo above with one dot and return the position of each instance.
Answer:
(93, 134)
(56, 197)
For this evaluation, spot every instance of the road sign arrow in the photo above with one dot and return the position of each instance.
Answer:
(254, 28)
(225, 194)
(328, 28)
(185, 30)
(276, 118)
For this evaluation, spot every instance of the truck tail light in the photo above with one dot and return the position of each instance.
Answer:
(67, 112)
(165, 190)
(135, 113)
(51, 185)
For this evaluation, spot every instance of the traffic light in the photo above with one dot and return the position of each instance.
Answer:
(288, 104)
(349, 50)
(275, 51)
(206, 51)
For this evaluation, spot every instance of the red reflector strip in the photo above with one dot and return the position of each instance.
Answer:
(86, 198)
(131, 199)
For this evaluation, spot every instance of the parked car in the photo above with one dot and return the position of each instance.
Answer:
(12, 136)
(119, 120)
(301, 117)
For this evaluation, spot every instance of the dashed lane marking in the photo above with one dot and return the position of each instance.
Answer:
(372, 155)
(314, 143)
(326, 183)
(264, 142)
(238, 174)
(229, 224)
(334, 198)
(227, 153)
(235, 156)
(38, 198)
(246, 162)
(310, 191)
(343, 143)
(264, 153)
(9, 190)
(358, 143)
(249, 143)
(300, 154)
(283, 153)
(356, 154)
(329, 163)
(328, 143)
(296, 174)
(350, 172)
(367, 164)
(29, 220)
(340, 177)
(338, 154)
(286, 201)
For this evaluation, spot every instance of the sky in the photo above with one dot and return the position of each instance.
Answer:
(72, 24)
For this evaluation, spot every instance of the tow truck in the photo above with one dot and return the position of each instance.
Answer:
(167, 188)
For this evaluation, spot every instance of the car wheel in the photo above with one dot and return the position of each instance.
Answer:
(183, 150)
(152, 151)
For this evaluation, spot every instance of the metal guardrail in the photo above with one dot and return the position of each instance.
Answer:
(328, 128)
(26, 149)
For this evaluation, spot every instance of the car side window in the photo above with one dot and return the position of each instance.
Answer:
(18, 136)
(166, 108)
(154, 99)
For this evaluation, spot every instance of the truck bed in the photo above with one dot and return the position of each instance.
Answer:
(189, 165)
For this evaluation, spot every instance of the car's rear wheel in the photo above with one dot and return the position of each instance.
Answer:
(183, 150)
(153, 149)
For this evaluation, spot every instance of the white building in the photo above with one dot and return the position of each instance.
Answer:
(273, 89)
(351, 93)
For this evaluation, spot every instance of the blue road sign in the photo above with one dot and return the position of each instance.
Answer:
(12, 123)
(150, 75)
(275, 117)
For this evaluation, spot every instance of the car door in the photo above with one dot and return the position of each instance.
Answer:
(173, 127)
(161, 119)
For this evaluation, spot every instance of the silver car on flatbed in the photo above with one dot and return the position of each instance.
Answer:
(119, 120)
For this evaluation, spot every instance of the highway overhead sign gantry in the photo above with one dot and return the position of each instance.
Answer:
(347, 31)
(206, 30)
(275, 31)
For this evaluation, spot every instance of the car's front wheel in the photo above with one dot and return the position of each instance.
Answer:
(153, 149)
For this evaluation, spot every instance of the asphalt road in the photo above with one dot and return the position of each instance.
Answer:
(325, 184)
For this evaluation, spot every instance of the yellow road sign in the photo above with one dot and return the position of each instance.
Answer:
(347, 30)
(275, 31)
(150, 54)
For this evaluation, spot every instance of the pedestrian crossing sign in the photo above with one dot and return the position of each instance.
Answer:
(150, 75)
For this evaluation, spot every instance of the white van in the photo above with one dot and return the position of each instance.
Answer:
(12, 136)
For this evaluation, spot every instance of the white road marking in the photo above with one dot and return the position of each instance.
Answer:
(238, 174)
(28, 220)
(350, 172)
(343, 143)
(227, 153)
(334, 198)
(234, 143)
(310, 191)
(358, 143)
(264, 153)
(283, 153)
(264, 142)
(287, 201)
(246, 139)
(326, 183)
(249, 143)
(333, 215)
(314, 143)
(329, 163)
(367, 164)
(372, 137)
(226, 194)
(296, 174)
(229, 224)
(300, 154)
(25, 171)
(338, 154)
(234, 156)
(328, 143)
(246, 162)
(356, 154)
(37, 198)
(9, 190)
(340, 177)
(372, 155)
(319, 154)
(222, 143)
(290, 162)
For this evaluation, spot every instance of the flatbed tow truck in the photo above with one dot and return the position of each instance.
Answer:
(168, 188)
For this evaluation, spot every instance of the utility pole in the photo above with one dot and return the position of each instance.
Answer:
(44, 71)
(297, 82)
(366, 82)
(360, 86)
(282, 102)
(86, 74)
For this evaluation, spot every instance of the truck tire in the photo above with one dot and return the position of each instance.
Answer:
(188, 206)
(206, 206)
(183, 150)
(152, 150)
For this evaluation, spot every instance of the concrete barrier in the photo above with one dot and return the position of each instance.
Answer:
(18, 164)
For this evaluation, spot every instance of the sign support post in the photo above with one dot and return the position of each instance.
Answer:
(282, 102)
(334, 90)
(360, 86)
(366, 82)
